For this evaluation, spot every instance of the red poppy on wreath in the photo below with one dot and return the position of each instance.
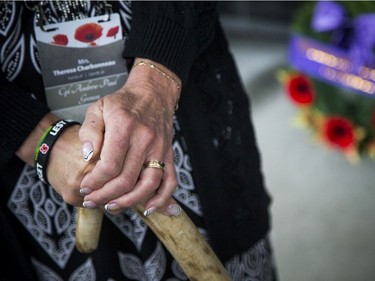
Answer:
(88, 32)
(113, 31)
(44, 148)
(339, 131)
(300, 90)
(60, 39)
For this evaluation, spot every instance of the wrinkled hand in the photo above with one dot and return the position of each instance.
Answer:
(66, 168)
(125, 130)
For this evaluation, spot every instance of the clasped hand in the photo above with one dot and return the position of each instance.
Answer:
(120, 133)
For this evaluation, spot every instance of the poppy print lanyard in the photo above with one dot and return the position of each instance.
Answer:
(81, 60)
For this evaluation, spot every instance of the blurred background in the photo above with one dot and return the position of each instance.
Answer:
(323, 210)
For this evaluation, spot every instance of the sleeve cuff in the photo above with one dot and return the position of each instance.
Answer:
(163, 41)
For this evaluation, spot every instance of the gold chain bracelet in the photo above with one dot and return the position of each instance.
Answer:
(146, 63)
(142, 62)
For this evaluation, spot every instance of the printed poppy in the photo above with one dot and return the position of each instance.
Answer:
(60, 39)
(44, 148)
(339, 132)
(300, 90)
(113, 31)
(88, 32)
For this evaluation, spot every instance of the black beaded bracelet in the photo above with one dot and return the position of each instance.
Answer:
(45, 144)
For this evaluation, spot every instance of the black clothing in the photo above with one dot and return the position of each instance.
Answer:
(213, 115)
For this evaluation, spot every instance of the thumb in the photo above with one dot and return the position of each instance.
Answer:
(91, 133)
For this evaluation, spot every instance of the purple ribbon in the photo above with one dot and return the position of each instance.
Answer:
(347, 61)
(358, 35)
(330, 64)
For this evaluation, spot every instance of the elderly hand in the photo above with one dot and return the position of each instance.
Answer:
(65, 167)
(125, 130)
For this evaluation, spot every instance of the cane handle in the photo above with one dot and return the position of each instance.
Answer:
(89, 224)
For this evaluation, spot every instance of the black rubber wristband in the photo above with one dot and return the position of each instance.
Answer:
(45, 145)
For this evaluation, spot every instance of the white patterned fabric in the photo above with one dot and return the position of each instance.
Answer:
(13, 49)
(43, 214)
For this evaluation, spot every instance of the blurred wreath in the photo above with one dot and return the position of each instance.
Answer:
(331, 74)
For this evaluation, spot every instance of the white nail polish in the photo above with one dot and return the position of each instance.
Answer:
(85, 191)
(174, 210)
(89, 204)
(149, 211)
(87, 151)
(111, 207)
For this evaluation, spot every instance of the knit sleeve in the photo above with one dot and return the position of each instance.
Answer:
(19, 115)
(171, 33)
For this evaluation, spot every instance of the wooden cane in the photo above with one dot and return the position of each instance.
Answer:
(178, 234)
(89, 224)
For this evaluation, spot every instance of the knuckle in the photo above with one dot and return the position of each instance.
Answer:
(92, 107)
(71, 183)
(72, 199)
(162, 201)
(119, 142)
(82, 132)
(130, 202)
(125, 183)
(109, 168)
(87, 128)
(148, 134)
(151, 182)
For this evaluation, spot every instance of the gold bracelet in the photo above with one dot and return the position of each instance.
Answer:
(142, 62)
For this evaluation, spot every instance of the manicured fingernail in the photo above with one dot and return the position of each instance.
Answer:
(89, 204)
(87, 151)
(149, 211)
(85, 191)
(111, 207)
(174, 210)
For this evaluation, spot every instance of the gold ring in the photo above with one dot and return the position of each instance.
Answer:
(154, 164)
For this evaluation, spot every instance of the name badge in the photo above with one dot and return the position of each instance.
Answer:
(81, 60)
